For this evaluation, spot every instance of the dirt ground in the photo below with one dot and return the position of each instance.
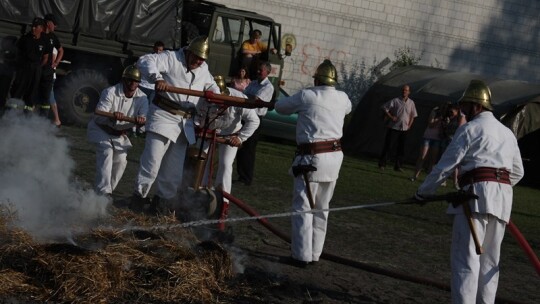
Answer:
(376, 263)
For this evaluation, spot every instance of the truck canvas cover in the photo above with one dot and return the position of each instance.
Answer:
(134, 21)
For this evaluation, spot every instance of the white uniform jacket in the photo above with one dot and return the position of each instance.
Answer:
(230, 121)
(113, 99)
(482, 142)
(321, 111)
(263, 90)
(171, 66)
(142, 65)
(404, 111)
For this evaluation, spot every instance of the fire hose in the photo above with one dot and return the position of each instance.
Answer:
(524, 245)
(378, 270)
(220, 99)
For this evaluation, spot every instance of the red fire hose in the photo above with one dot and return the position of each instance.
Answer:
(524, 245)
(360, 265)
(332, 257)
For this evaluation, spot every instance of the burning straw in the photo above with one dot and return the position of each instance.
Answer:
(113, 266)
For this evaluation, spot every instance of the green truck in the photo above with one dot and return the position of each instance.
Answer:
(100, 38)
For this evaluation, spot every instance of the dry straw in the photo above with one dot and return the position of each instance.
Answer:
(113, 265)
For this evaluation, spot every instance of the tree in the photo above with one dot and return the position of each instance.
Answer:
(404, 57)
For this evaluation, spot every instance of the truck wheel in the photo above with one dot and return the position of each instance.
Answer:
(78, 94)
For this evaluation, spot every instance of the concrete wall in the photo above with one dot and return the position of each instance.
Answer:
(490, 37)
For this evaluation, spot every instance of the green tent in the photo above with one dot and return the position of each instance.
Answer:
(516, 104)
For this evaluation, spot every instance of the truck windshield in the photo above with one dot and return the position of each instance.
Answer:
(227, 30)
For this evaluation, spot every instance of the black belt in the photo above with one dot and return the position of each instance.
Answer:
(172, 107)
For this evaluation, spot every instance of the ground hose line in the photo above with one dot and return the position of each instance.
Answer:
(524, 245)
(344, 261)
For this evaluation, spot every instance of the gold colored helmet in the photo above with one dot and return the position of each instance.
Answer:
(326, 73)
(199, 47)
(220, 81)
(477, 92)
(132, 72)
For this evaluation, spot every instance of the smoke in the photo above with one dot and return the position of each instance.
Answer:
(37, 182)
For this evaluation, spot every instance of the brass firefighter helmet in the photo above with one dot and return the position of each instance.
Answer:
(326, 73)
(199, 47)
(220, 81)
(477, 92)
(131, 72)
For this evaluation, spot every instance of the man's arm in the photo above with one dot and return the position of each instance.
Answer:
(58, 58)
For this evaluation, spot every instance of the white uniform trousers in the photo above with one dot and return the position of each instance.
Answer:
(224, 173)
(309, 229)
(110, 166)
(475, 277)
(223, 180)
(162, 161)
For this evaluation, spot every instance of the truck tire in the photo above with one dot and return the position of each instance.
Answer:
(77, 95)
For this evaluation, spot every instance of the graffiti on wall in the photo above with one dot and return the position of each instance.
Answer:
(303, 59)
(312, 55)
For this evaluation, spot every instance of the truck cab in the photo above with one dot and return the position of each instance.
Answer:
(98, 45)
(227, 29)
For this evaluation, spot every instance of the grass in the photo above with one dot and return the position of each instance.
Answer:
(410, 238)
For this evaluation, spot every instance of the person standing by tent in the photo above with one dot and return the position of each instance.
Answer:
(453, 120)
(321, 111)
(431, 142)
(490, 161)
(399, 115)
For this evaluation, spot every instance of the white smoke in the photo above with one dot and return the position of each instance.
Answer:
(36, 179)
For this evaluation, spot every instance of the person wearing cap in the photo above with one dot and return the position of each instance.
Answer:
(32, 55)
(321, 112)
(109, 134)
(56, 52)
(236, 125)
(170, 126)
(260, 90)
(490, 164)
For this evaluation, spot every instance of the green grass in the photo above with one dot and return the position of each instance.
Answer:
(410, 238)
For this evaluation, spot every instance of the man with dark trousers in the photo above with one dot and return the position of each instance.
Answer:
(399, 115)
(260, 90)
(32, 54)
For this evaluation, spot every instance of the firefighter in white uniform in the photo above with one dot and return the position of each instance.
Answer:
(228, 124)
(321, 111)
(170, 126)
(109, 135)
(490, 163)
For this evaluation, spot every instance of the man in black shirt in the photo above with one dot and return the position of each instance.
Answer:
(32, 54)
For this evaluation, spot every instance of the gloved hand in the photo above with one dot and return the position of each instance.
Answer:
(209, 95)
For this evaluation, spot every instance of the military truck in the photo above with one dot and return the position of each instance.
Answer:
(100, 38)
